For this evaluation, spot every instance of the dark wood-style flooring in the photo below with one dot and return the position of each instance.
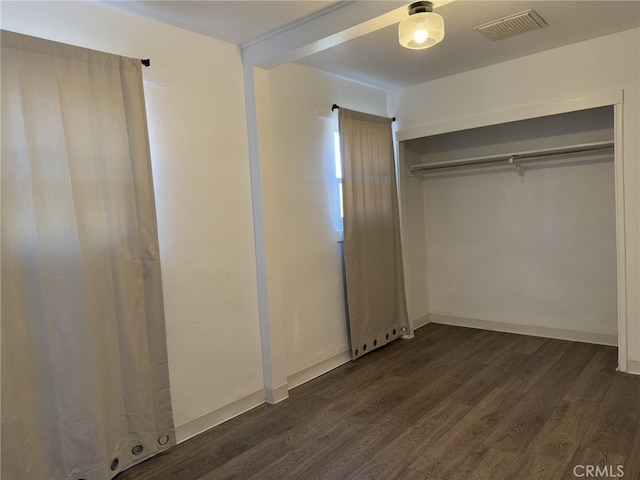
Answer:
(451, 403)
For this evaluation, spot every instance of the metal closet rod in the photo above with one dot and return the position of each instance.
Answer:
(516, 157)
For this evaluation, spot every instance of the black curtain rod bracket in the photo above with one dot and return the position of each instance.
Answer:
(335, 105)
(146, 62)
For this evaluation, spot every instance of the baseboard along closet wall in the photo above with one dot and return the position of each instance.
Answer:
(513, 226)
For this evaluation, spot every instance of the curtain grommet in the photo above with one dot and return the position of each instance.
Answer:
(137, 449)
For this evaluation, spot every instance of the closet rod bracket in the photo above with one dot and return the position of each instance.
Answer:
(519, 168)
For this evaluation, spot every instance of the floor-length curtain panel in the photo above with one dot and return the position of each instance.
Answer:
(373, 255)
(85, 387)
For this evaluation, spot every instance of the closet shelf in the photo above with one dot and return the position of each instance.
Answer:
(516, 158)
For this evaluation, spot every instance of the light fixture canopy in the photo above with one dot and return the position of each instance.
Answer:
(422, 29)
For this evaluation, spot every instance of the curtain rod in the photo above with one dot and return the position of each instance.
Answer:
(146, 62)
(335, 105)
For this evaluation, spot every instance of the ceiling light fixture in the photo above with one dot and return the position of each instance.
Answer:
(422, 29)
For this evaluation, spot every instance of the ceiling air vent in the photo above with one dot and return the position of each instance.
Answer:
(512, 25)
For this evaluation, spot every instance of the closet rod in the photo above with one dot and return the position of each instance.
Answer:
(516, 157)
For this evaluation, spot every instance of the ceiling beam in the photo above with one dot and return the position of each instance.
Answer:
(333, 26)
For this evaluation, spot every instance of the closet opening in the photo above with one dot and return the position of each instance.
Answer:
(515, 227)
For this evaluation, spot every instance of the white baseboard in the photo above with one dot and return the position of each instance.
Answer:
(277, 394)
(221, 415)
(575, 336)
(318, 369)
(210, 420)
(633, 366)
(420, 322)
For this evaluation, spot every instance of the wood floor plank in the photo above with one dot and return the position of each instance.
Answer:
(262, 456)
(452, 349)
(433, 392)
(529, 372)
(396, 456)
(518, 430)
(410, 414)
(492, 345)
(632, 460)
(614, 423)
(301, 455)
(204, 457)
(398, 358)
(553, 348)
(568, 423)
(225, 440)
(529, 344)
(337, 461)
(477, 344)
(494, 375)
(486, 464)
(536, 465)
(452, 403)
(452, 449)
(409, 474)
(555, 444)
(587, 457)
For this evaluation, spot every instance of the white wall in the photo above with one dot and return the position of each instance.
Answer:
(301, 212)
(195, 107)
(540, 253)
(605, 64)
(537, 251)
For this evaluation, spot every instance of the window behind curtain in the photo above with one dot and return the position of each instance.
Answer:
(338, 161)
(85, 386)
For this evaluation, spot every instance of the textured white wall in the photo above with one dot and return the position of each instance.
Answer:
(303, 255)
(197, 128)
(610, 63)
(540, 253)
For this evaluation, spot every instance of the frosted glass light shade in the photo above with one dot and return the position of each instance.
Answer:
(411, 30)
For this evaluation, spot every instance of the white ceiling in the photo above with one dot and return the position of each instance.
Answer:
(236, 21)
(376, 58)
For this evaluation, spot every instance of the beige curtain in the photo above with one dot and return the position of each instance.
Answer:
(85, 388)
(373, 256)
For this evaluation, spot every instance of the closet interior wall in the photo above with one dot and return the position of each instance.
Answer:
(533, 253)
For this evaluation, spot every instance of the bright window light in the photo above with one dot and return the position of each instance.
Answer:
(336, 145)
(338, 161)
